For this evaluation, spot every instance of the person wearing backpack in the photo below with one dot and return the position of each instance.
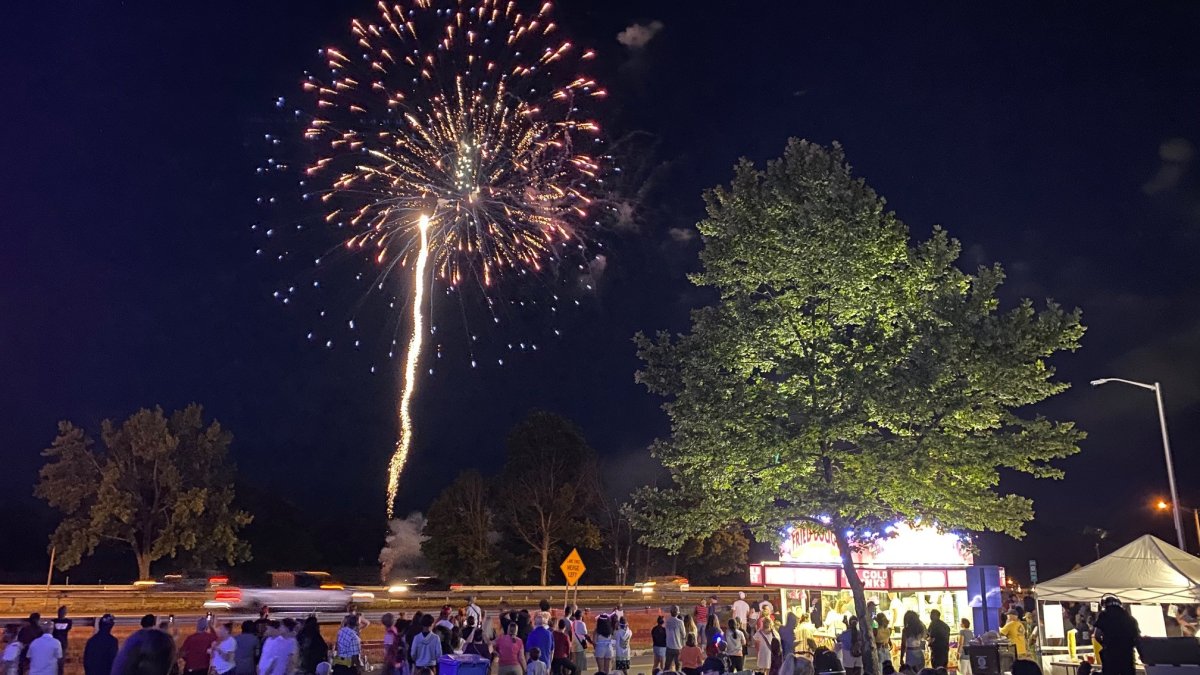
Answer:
(850, 645)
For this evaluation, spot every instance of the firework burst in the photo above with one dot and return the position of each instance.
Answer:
(452, 139)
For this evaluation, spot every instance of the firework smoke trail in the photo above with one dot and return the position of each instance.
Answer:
(411, 356)
(473, 114)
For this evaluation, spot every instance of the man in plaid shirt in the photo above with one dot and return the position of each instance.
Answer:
(349, 648)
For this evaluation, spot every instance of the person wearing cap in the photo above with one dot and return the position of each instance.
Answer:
(1014, 630)
(45, 653)
(101, 649)
(740, 610)
(195, 650)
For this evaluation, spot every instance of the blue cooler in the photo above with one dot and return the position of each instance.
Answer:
(463, 664)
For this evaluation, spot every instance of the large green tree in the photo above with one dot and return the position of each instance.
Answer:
(846, 377)
(160, 486)
(459, 532)
(549, 488)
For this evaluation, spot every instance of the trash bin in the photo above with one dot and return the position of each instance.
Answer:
(993, 659)
(463, 664)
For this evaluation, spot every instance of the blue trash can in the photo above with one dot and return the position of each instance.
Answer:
(463, 664)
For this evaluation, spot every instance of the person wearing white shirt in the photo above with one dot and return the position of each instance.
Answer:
(223, 650)
(45, 653)
(740, 610)
(276, 654)
(622, 639)
(474, 610)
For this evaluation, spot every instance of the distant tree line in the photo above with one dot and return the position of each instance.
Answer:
(548, 498)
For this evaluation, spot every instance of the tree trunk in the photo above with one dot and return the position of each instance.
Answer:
(143, 563)
(545, 562)
(860, 598)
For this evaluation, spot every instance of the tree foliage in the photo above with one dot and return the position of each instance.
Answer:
(161, 486)
(846, 377)
(460, 533)
(548, 487)
(709, 560)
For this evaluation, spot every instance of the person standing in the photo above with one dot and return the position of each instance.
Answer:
(621, 641)
(246, 649)
(1014, 630)
(195, 650)
(765, 641)
(348, 646)
(580, 640)
(535, 665)
(805, 632)
(510, 652)
(30, 630)
(62, 627)
(939, 641)
(149, 651)
(912, 641)
(1118, 634)
(224, 650)
(965, 636)
(605, 650)
(735, 646)
(540, 639)
(426, 647)
(850, 647)
(691, 656)
(391, 641)
(741, 610)
(45, 653)
(883, 640)
(676, 639)
(658, 644)
(10, 662)
(100, 650)
(561, 663)
(474, 610)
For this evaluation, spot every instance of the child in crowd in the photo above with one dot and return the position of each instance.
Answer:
(536, 666)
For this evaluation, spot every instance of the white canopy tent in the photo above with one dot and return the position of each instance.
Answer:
(1147, 570)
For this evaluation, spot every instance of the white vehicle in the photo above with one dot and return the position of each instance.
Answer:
(291, 591)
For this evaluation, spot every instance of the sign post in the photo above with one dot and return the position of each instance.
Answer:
(573, 568)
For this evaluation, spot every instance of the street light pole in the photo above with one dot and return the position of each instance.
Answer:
(1162, 423)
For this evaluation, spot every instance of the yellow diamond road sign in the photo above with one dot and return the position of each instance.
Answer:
(573, 568)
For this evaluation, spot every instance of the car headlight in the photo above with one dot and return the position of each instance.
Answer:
(362, 595)
(398, 588)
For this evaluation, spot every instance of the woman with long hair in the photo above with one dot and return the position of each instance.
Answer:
(850, 645)
(912, 641)
(313, 648)
(605, 647)
(689, 627)
(713, 636)
(883, 640)
(146, 652)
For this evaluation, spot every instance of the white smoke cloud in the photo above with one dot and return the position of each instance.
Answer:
(682, 234)
(401, 554)
(639, 34)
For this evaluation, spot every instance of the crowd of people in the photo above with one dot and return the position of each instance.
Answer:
(709, 639)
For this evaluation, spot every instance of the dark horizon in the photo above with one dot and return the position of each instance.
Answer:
(1058, 142)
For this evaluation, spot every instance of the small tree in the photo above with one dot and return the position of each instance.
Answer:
(459, 533)
(159, 486)
(846, 378)
(548, 487)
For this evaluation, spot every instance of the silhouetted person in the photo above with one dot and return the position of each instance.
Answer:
(146, 652)
(101, 649)
(939, 640)
(1118, 635)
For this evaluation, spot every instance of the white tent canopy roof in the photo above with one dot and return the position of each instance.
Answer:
(1146, 570)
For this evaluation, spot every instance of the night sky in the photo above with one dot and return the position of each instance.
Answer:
(1059, 141)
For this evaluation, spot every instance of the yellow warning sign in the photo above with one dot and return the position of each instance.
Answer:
(573, 567)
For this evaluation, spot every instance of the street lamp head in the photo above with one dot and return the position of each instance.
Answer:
(1162, 505)
(1097, 383)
